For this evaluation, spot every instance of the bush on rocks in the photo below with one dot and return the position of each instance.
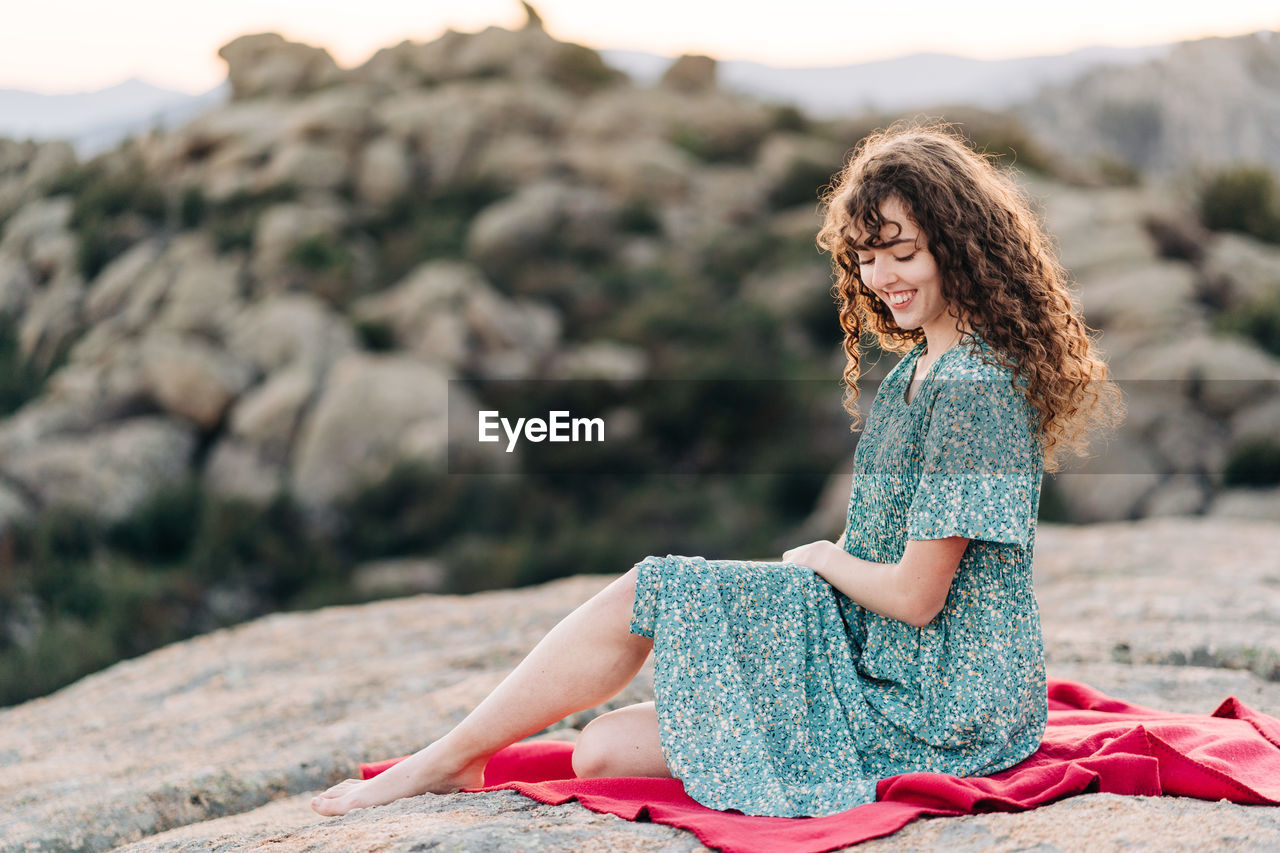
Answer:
(1244, 199)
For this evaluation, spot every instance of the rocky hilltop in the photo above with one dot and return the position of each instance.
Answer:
(273, 297)
(1204, 104)
(218, 743)
(232, 354)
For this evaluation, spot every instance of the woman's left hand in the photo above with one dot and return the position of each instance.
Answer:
(815, 555)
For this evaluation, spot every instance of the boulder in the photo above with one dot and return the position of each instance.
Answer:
(37, 220)
(449, 129)
(13, 509)
(1220, 374)
(309, 165)
(290, 329)
(267, 417)
(1097, 230)
(539, 218)
(282, 228)
(342, 116)
(374, 413)
(223, 151)
(691, 72)
(205, 292)
(191, 379)
(17, 286)
(712, 125)
(1252, 504)
(124, 281)
(1113, 483)
(266, 64)
(1243, 270)
(108, 472)
(54, 254)
(383, 172)
(600, 360)
(640, 168)
(393, 577)
(52, 321)
(239, 471)
(446, 311)
(1155, 298)
(27, 169)
(1256, 422)
(412, 65)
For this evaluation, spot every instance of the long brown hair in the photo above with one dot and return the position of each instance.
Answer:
(998, 271)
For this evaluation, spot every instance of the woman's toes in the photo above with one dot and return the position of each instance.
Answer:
(330, 803)
(341, 788)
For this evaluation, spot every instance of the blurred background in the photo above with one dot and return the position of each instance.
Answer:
(261, 264)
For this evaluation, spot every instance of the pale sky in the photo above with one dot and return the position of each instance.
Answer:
(80, 45)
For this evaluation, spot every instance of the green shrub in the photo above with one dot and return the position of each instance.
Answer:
(638, 216)
(580, 69)
(788, 118)
(193, 208)
(737, 147)
(802, 183)
(1117, 173)
(1258, 320)
(161, 530)
(20, 381)
(322, 254)
(112, 210)
(1253, 463)
(1242, 199)
(233, 220)
(62, 650)
(420, 227)
(269, 550)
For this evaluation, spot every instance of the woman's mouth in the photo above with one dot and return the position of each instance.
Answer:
(901, 298)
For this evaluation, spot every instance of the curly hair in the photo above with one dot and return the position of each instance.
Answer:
(998, 272)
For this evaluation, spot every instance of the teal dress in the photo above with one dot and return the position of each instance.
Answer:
(778, 695)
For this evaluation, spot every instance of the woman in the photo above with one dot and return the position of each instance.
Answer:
(912, 645)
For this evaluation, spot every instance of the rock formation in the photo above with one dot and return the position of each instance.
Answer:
(218, 743)
(230, 304)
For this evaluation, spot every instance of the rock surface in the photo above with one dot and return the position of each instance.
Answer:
(216, 744)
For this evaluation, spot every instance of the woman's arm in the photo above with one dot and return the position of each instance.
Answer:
(912, 590)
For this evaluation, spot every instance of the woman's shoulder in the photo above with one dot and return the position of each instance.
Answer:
(975, 373)
(973, 359)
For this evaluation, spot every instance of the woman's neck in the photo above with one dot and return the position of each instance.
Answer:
(942, 336)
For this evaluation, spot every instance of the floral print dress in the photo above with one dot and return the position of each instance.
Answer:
(778, 695)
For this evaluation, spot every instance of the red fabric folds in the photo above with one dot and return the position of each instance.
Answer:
(1093, 743)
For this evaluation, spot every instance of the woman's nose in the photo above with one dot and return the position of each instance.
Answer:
(881, 276)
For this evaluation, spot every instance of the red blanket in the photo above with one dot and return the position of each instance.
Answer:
(1093, 743)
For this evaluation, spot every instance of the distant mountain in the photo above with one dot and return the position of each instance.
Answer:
(916, 81)
(96, 121)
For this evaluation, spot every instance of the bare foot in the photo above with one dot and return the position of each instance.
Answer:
(420, 773)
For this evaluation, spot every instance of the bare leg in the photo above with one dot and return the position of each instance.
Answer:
(621, 743)
(590, 656)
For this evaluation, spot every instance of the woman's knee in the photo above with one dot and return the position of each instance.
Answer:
(621, 743)
(592, 753)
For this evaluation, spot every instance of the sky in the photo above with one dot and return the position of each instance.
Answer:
(56, 46)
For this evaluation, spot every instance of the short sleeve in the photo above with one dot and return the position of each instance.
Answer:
(982, 465)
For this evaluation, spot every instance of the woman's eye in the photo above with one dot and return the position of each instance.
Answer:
(907, 258)
(865, 263)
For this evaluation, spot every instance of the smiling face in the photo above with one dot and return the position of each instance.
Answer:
(900, 270)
